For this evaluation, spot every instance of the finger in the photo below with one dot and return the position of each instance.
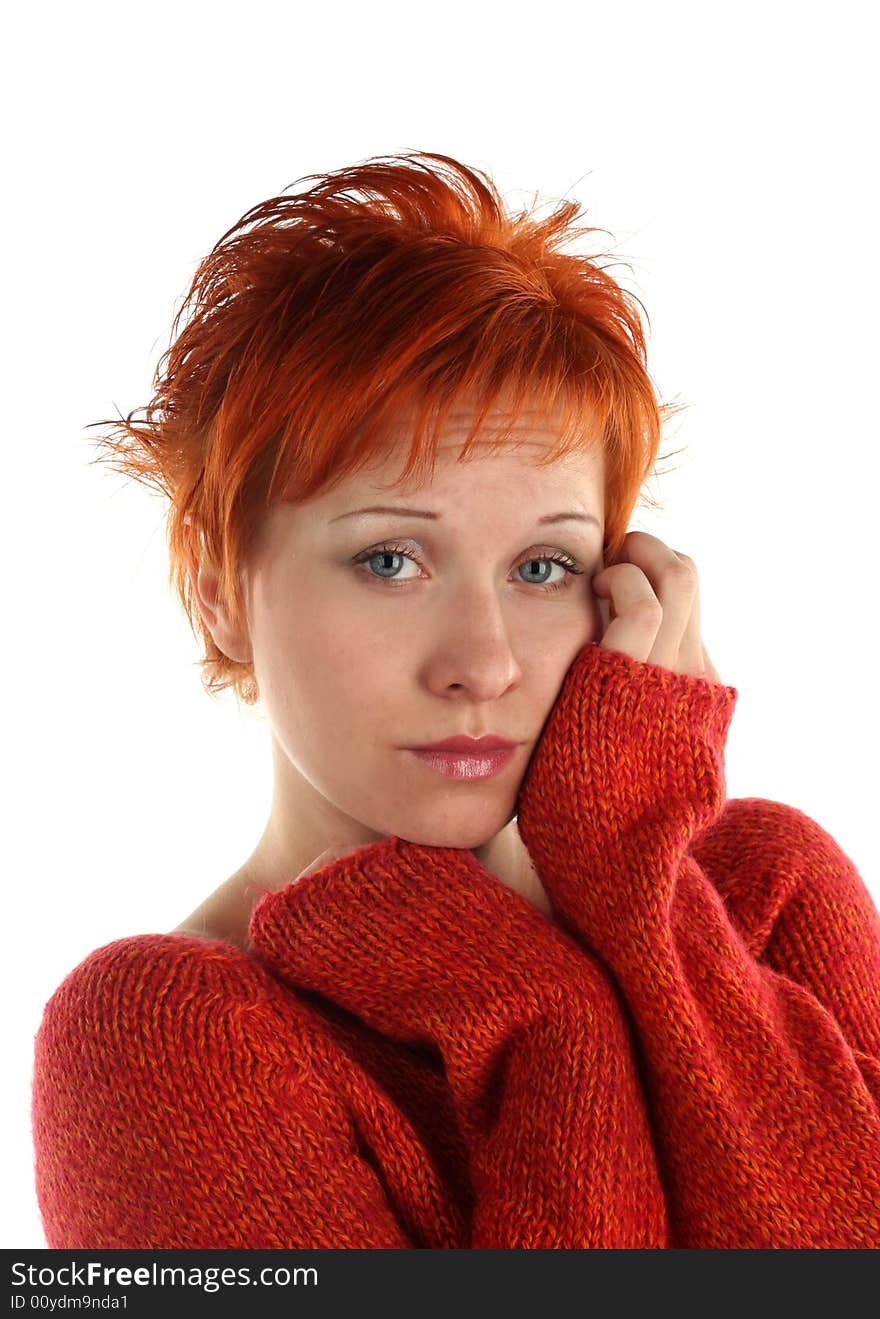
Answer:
(672, 578)
(692, 656)
(637, 612)
(676, 589)
(680, 597)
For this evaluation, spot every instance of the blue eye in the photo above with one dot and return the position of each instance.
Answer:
(386, 552)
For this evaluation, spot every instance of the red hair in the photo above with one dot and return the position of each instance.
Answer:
(397, 285)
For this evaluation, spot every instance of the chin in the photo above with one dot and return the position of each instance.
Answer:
(469, 825)
(444, 838)
(451, 835)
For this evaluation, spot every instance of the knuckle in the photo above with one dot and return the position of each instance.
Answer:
(681, 572)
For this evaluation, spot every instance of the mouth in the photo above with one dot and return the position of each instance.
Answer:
(470, 766)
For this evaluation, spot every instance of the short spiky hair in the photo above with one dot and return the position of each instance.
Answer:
(400, 284)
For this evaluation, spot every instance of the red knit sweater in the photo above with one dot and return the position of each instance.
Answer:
(411, 1055)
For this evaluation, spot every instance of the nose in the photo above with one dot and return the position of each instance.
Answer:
(474, 649)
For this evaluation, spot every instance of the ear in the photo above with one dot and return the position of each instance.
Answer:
(234, 642)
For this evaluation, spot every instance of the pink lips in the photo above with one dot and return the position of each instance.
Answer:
(465, 764)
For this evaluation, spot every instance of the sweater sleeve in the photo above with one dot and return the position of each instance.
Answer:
(424, 945)
(758, 1017)
(182, 1098)
(175, 1106)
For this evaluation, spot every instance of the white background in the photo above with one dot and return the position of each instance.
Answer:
(730, 152)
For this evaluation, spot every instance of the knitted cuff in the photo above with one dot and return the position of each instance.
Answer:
(630, 761)
(425, 945)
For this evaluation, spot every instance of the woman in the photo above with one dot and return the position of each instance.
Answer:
(565, 994)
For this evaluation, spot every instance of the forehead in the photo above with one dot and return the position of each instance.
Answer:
(501, 449)
(493, 477)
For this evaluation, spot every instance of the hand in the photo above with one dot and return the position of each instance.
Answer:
(654, 603)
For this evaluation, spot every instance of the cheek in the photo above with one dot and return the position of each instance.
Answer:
(550, 638)
(323, 676)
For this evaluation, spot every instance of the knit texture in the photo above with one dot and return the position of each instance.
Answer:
(410, 1055)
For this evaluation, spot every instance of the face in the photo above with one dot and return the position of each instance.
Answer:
(373, 633)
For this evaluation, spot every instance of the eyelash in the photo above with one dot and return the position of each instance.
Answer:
(571, 568)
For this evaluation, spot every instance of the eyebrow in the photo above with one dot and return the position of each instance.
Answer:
(435, 517)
